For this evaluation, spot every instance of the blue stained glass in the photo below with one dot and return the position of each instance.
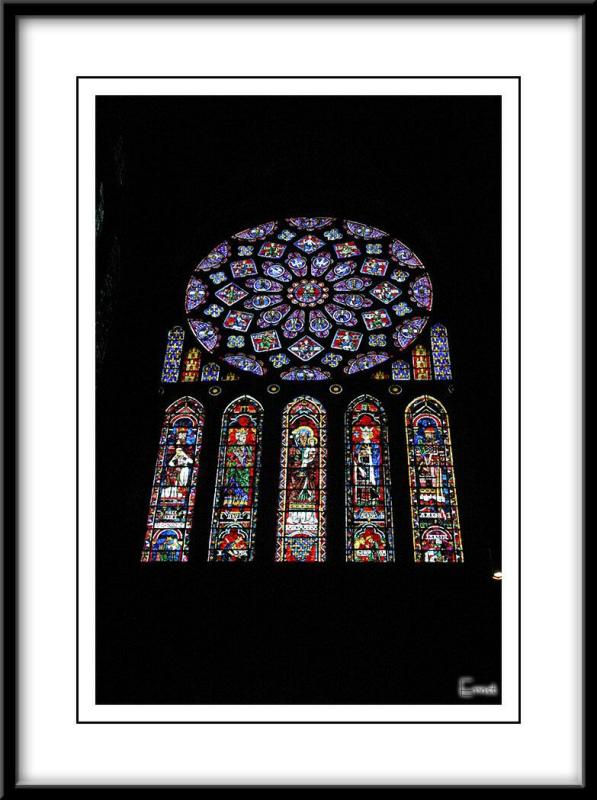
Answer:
(279, 360)
(305, 374)
(244, 363)
(440, 353)
(210, 372)
(365, 361)
(171, 368)
(332, 359)
(400, 370)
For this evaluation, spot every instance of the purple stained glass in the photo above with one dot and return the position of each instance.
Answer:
(306, 289)
(407, 332)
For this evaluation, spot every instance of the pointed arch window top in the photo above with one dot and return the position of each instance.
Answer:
(369, 525)
(237, 483)
(302, 492)
(172, 498)
(434, 504)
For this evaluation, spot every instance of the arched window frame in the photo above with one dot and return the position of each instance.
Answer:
(423, 524)
(226, 521)
(176, 546)
(377, 525)
(313, 416)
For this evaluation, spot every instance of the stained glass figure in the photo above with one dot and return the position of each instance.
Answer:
(302, 498)
(218, 256)
(196, 295)
(245, 363)
(305, 374)
(272, 250)
(305, 348)
(407, 332)
(238, 320)
(309, 243)
(174, 484)
(365, 361)
(440, 353)
(234, 513)
(171, 368)
(363, 231)
(265, 341)
(231, 294)
(310, 223)
(434, 505)
(369, 526)
(205, 333)
(192, 364)
(258, 232)
(421, 363)
(402, 254)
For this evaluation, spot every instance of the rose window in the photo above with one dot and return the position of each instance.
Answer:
(308, 298)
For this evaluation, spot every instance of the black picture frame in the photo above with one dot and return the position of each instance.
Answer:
(12, 13)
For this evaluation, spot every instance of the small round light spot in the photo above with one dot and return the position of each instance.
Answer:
(215, 390)
(273, 388)
(497, 576)
(335, 388)
(395, 389)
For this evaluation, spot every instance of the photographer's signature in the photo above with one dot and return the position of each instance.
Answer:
(467, 688)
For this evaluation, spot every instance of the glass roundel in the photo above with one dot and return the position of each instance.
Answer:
(308, 298)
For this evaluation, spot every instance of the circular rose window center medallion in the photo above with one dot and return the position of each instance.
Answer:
(308, 293)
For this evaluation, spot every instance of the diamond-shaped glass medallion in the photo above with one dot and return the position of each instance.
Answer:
(385, 292)
(347, 340)
(305, 348)
(265, 341)
(309, 243)
(231, 294)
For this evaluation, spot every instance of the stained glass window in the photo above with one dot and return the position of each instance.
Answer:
(174, 484)
(434, 506)
(192, 364)
(440, 353)
(210, 372)
(237, 482)
(308, 296)
(302, 498)
(400, 370)
(171, 368)
(421, 363)
(369, 534)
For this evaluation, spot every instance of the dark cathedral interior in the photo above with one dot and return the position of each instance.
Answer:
(327, 339)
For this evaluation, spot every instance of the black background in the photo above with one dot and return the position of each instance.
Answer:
(178, 175)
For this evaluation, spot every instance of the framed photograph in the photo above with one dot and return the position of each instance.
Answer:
(295, 403)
